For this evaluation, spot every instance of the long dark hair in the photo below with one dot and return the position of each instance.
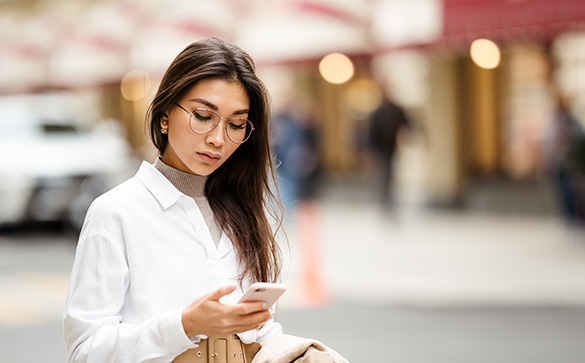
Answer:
(239, 191)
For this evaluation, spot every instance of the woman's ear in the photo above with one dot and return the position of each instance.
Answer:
(164, 124)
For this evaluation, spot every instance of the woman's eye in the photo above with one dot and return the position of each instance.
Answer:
(238, 125)
(201, 117)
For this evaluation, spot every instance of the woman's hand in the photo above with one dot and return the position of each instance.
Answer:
(208, 316)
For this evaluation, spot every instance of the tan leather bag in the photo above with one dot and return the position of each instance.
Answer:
(228, 349)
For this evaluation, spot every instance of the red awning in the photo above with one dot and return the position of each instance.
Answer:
(511, 20)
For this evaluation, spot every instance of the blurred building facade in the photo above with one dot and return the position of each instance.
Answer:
(473, 123)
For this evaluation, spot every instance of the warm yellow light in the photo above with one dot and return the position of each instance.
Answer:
(135, 85)
(485, 53)
(364, 95)
(336, 68)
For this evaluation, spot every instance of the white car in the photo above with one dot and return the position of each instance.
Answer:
(56, 157)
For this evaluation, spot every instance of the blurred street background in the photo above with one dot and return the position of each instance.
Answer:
(431, 157)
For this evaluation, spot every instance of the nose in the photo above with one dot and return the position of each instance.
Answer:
(217, 136)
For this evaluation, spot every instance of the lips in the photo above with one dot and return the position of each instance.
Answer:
(208, 157)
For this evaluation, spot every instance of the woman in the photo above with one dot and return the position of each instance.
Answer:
(164, 257)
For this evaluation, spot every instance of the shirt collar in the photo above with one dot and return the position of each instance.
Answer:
(160, 187)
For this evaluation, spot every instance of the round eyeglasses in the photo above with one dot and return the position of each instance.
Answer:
(203, 121)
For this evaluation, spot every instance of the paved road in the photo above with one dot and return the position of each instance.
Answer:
(34, 269)
(409, 288)
(448, 335)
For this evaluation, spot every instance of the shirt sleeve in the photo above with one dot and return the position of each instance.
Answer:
(93, 326)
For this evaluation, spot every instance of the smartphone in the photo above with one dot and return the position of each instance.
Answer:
(264, 291)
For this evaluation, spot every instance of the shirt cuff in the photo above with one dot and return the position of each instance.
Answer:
(197, 338)
(172, 332)
(270, 329)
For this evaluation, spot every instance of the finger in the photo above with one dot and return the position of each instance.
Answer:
(244, 323)
(221, 292)
(251, 307)
(258, 318)
(252, 321)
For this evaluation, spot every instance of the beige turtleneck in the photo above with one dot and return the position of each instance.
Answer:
(193, 186)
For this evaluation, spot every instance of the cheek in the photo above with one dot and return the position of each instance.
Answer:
(175, 141)
(184, 140)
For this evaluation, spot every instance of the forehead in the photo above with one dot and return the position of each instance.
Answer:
(225, 94)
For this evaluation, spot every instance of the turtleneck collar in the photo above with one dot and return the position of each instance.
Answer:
(189, 184)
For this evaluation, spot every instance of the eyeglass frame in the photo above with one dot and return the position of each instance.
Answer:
(215, 126)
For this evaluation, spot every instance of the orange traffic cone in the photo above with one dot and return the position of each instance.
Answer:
(313, 291)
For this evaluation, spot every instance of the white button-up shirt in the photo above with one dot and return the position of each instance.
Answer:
(144, 254)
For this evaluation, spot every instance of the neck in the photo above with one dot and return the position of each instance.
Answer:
(188, 184)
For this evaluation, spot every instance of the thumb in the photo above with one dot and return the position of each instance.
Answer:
(221, 292)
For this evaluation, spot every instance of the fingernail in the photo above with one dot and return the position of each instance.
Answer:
(265, 306)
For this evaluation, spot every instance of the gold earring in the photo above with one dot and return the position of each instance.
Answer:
(164, 130)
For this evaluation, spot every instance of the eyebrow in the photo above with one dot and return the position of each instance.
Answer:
(244, 111)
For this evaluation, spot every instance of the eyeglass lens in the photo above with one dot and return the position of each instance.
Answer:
(203, 121)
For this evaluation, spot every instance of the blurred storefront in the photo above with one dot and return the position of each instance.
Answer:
(472, 122)
(501, 114)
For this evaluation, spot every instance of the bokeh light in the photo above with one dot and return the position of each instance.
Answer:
(135, 85)
(485, 53)
(364, 95)
(336, 68)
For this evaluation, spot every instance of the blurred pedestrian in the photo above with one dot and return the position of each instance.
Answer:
(561, 138)
(163, 258)
(386, 122)
(287, 137)
(296, 144)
